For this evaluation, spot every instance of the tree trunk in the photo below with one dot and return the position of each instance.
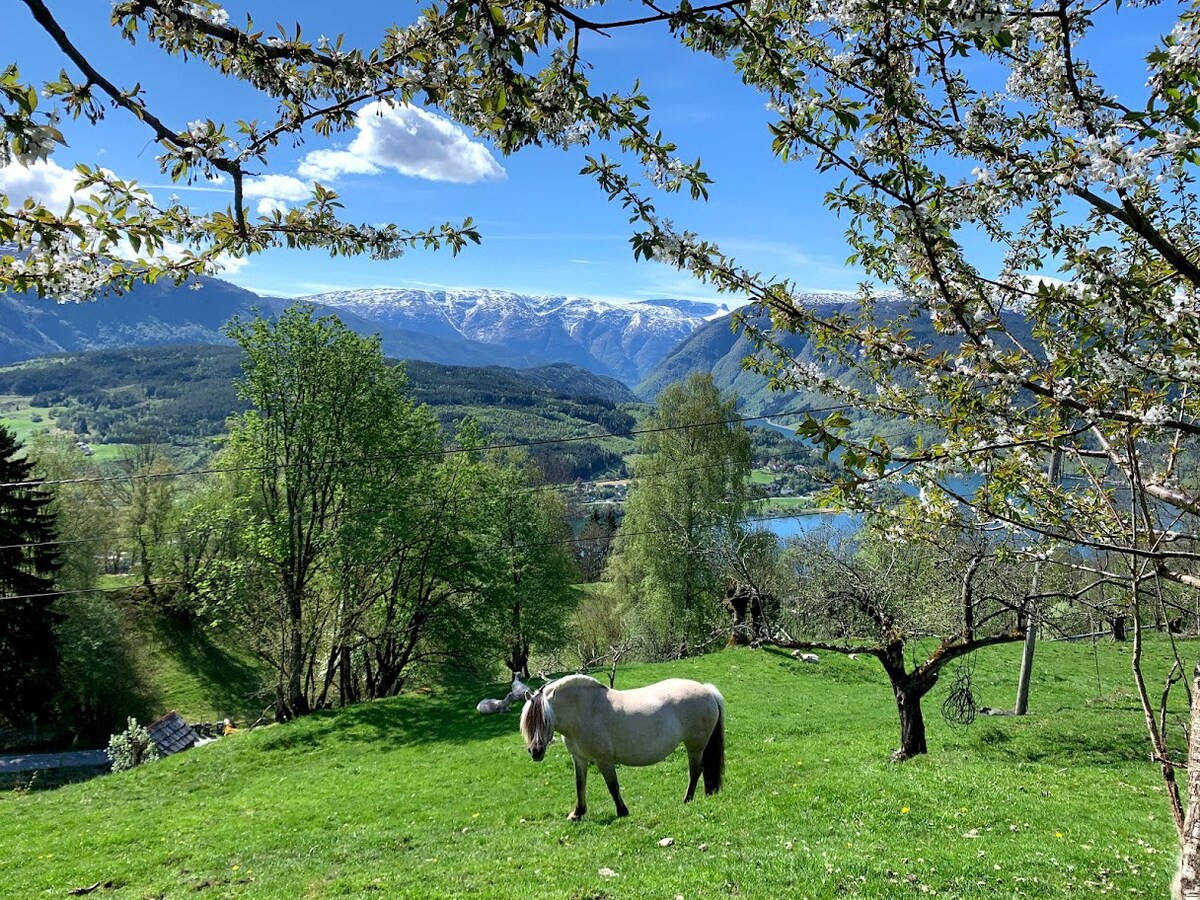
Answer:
(908, 688)
(1026, 674)
(347, 684)
(737, 602)
(1187, 879)
(1025, 677)
(297, 702)
(518, 657)
(912, 721)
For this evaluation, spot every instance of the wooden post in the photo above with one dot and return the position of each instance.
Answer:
(1026, 674)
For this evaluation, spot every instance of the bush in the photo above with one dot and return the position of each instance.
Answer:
(130, 748)
(100, 682)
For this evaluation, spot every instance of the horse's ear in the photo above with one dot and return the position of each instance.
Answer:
(529, 695)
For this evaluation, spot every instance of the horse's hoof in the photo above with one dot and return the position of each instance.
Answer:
(622, 812)
(575, 816)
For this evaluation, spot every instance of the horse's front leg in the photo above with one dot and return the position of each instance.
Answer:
(581, 769)
(609, 771)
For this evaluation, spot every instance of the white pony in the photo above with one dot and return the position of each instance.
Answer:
(638, 727)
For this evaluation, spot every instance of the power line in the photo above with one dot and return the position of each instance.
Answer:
(457, 502)
(476, 552)
(72, 591)
(444, 451)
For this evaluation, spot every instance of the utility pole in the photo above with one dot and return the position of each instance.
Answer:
(1031, 622)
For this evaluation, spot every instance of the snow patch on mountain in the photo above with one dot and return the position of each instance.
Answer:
(623, 340)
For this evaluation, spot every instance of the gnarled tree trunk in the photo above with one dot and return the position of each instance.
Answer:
(908, 688)
(1187, 879)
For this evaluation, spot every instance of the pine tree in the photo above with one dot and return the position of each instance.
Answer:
(29, 561)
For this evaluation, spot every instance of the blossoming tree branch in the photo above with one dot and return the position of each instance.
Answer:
(1066, 404)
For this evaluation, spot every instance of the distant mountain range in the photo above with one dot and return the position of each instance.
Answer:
(719, 348)
(625, 341)
(474, 328)
(645, 345)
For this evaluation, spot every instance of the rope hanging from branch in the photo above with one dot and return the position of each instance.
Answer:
(959, 707)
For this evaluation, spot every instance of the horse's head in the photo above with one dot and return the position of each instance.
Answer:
(537, 724)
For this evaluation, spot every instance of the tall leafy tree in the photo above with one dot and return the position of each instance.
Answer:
(29, 561)
(402, 560)
(322, 398)
(147, 495)
(689, 497)
(595, 539)
(532, 580)
(84, 518)
(97, 681)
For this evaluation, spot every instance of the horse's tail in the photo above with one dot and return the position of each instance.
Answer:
(713, 760)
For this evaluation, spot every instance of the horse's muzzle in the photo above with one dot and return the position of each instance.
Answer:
(538, 753)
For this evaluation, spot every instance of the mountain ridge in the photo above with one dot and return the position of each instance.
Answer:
(621, 340)
(463, 327)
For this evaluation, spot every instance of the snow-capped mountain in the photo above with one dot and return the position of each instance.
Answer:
(622, 340)
(465, 327)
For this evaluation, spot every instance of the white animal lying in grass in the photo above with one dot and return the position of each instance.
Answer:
(519, 692)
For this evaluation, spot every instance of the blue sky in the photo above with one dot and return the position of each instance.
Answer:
(546, 229)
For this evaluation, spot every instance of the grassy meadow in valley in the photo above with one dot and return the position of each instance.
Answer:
(420, 796)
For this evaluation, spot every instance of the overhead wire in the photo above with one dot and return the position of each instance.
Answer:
(475, 552)
(443, 451)
(456, 502)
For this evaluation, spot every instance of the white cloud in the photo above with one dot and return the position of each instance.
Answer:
(326, 165)
(281, 187)
(268, 205)
(45, 181)
(408, 140)
(228, 265)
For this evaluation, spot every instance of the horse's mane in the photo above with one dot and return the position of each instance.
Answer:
(537, 718)
(576, 680)
(533, 716)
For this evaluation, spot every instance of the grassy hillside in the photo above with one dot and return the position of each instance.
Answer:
(183, 395)
(422, 797)
(193, 671)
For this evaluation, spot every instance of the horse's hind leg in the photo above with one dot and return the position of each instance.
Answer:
(609, 771)
(695, 767)
(581, 767)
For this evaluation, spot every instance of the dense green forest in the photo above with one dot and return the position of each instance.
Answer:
(575, 424)
(182, 397)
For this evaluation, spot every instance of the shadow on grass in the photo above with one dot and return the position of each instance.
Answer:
(229, 684)
(418, 718)
(446, 714)
(1052, 743)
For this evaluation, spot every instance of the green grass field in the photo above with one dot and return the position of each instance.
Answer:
(187, 670)
(785, 503)
(24, 420)
(422, 797)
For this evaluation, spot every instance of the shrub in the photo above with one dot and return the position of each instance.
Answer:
(130, 748)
